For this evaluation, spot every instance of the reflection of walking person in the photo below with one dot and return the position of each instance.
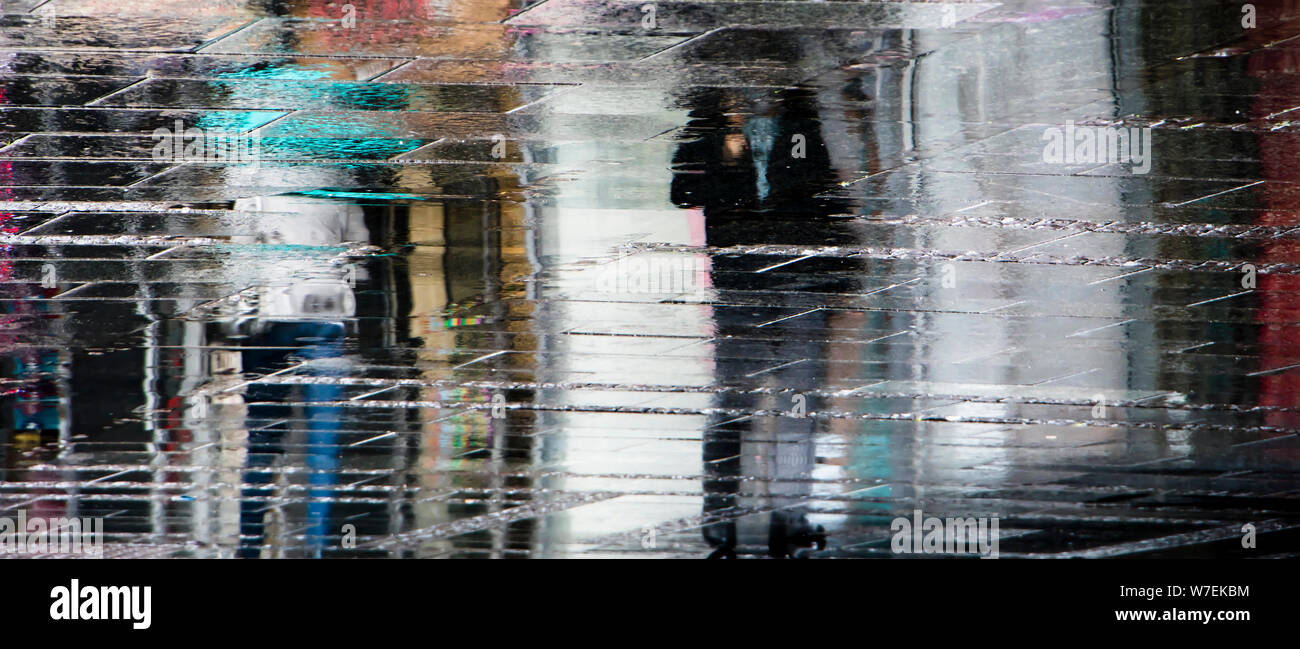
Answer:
(749, 162)
(300, 318)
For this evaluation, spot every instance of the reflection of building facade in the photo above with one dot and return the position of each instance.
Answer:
(986, 83)
(1278, 305)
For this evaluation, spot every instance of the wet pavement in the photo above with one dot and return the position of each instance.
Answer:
(608, 278)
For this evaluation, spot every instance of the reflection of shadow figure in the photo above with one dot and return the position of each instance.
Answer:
(754, 179)
(773, 161)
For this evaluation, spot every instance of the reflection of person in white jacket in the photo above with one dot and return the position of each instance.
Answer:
(304, 221)
(298, 317)
(307, 221)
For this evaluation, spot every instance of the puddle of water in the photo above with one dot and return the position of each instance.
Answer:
(735, 279)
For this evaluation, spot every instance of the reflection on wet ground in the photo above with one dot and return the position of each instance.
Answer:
(503, 278)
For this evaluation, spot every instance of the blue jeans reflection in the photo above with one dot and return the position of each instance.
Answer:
(270, 420)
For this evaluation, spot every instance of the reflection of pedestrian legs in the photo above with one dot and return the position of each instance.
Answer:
(266, 439)
(322, 459)
(264, 447)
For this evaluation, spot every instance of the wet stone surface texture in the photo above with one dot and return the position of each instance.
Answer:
(651, 278)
